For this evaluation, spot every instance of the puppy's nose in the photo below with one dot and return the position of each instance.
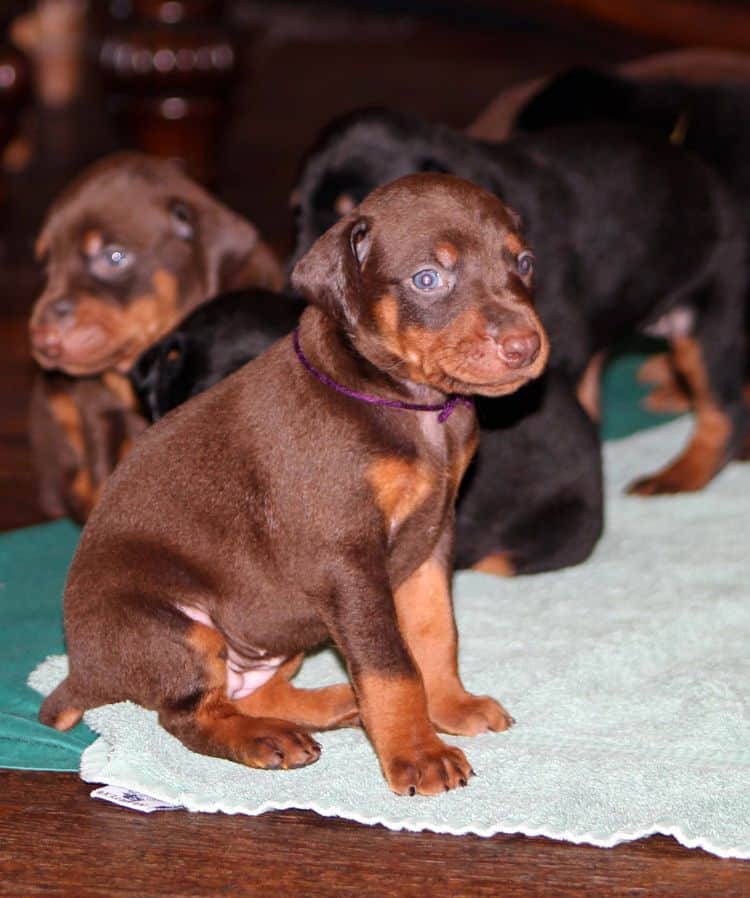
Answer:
(519, 349)
(47, 341)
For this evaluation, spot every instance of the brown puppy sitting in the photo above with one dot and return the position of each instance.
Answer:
(130, 248)
(309, 496)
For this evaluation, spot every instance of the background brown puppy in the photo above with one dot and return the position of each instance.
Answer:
(130, 247)
(273, 512)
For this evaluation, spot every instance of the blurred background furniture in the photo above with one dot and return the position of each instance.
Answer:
(15, 85)
(169, 67)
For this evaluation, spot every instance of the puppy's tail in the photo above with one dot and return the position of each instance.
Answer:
(60, 710)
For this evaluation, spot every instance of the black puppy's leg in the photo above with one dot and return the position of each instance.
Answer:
(390, 690)
(532, 501)
(710, 359)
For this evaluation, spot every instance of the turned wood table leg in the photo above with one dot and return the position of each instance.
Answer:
(15, 87)
(170, 66)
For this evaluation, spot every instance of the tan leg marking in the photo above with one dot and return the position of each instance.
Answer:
(316, 709)
(668, 396)
(657, 370)
(705, 454)
(589, 386)
(68, 418)
(413, 758)
(425, 619)
(498, 563)
(86, 494)
(217, 728)
(67, 719)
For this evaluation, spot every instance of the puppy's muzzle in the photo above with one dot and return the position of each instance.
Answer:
(48, 329)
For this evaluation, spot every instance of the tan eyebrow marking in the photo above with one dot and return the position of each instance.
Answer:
(92, 242)
(447, 254)
(513, 243)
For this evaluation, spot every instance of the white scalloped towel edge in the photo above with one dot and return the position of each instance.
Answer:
(629, 677)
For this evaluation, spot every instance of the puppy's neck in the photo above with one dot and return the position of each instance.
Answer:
(332, 351)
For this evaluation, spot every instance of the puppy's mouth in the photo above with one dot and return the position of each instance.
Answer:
(486, 367)
(77, 350)
(82, 351)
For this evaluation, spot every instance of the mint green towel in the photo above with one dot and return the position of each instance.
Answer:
(33, 564)
(629, 677)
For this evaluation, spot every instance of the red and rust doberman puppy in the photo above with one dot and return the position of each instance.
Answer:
(131, 247)
(309, 496)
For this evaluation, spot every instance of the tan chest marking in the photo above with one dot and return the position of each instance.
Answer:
(400, 487)
(119, 385)
(464, 457)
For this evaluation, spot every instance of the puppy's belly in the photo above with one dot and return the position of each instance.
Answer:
(244, 675)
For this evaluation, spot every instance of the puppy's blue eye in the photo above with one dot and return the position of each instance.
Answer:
(525, 263)
(427, 279)
(116, 257)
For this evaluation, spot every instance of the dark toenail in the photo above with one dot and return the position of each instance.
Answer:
(462, 782)
(412, 790)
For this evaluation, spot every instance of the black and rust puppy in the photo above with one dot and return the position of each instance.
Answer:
(711, 120)
(309, 496)
(130, 247)
(209, 345)
(633, 234)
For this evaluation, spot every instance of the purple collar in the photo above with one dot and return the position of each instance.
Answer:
(443, 408)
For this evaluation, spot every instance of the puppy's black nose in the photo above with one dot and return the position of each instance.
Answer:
(519, 348)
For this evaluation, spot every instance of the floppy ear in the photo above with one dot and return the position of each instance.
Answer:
(329, 274)
(41, 247)
(262, 270)
(235, 255)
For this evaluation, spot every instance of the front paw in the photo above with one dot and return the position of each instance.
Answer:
(427, 769)
(465, 714)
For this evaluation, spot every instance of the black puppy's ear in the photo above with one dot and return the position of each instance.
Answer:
(329, 274)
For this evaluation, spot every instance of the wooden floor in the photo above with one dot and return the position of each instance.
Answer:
(55, 840)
